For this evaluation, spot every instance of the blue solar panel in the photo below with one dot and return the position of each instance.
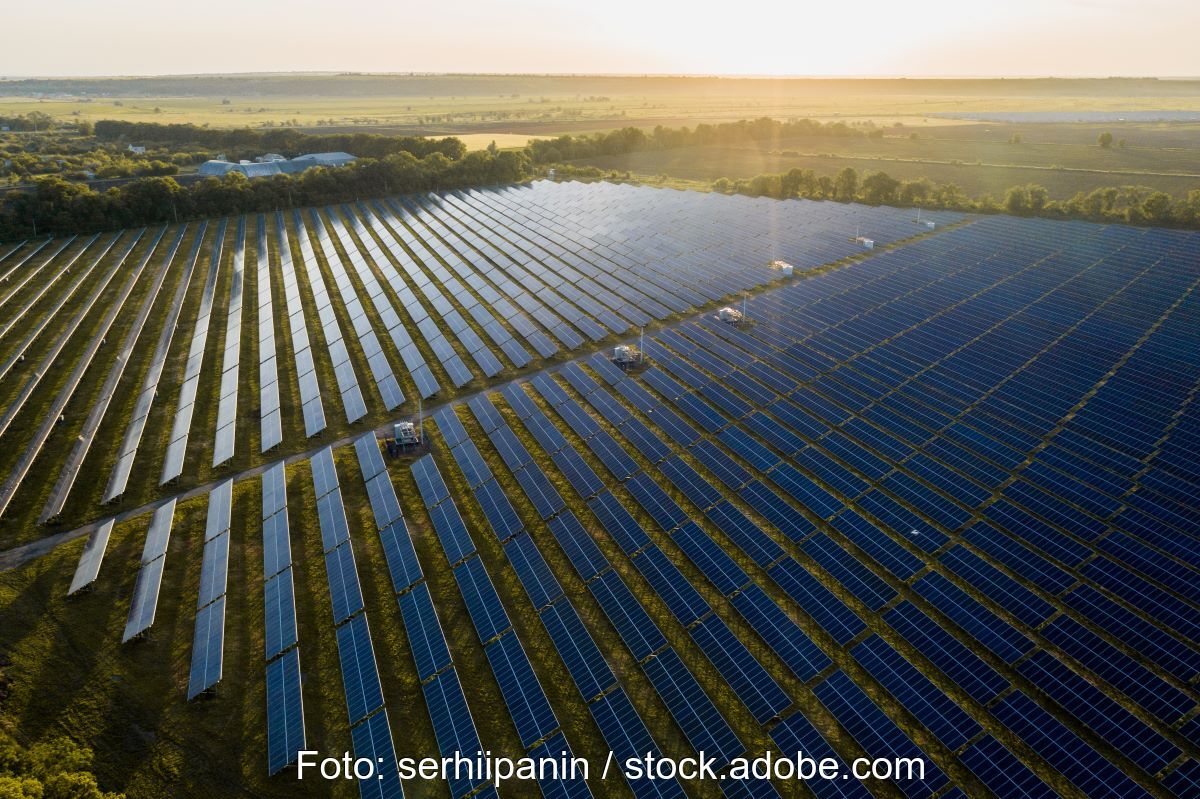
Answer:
(527, 704)
(452, 726)
(400, 555)
(817, 601)
(684, 602)
(563, 784)
(633, 624)
(586, 665)
(1001, 771)
(474, 468)
(585, 556)
(360, 677)
(344, 592)
(618, 522)
(208, 646)
(1065, 751)
(578, 473)
(627, 737)
(785, 638)
(875, 732)
(988, 629)
(483, 603)
(945, 719)
(757, 690)
(795, 735)
(285, 712)
(959, 663)
(510, 447)
(279, 614)
(425, 637)
(849, 571)
(541, 492)
(745, 534)
(373, 741)
(612, 455)
(1097, 712)
(664, 510)
(453, 432)
(451, 531)
(712, 561)
(702, 724)
(429, 481)
(782, 516)
(533, 571)
(500, 513)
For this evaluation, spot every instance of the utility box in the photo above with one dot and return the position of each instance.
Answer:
(406, 434)
(785, 269)
(929, 223)
(868, 244)
(730, 315)
(625, 354)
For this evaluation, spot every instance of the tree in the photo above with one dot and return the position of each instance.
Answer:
(879, 188)
(1105, 140)
(845, 185)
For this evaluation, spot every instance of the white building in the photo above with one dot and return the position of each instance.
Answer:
(136, 149)
(275, 164)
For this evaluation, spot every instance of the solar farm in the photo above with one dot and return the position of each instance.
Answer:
(931, 495)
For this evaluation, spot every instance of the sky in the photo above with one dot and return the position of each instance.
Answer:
(746, 37)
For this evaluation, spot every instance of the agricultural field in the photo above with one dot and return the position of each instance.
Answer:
(927, 492)
(980, 158)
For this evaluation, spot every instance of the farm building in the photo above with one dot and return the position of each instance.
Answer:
(274, 164)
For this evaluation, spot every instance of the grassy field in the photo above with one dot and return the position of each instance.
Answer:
(979, 158)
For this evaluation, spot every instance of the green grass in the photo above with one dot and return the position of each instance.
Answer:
(983, 164)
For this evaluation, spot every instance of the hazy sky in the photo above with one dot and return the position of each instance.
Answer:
(752, 37)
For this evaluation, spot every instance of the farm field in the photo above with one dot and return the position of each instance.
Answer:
(978, 158)
(927, 500)
(549, 100)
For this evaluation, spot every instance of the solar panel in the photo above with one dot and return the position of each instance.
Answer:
(959, 663)
(331, 515)
(584, 662)
(875, 732)
(429, 481)
(214, 569)
(1082, 765)
(702, 724)
(945, 719)
(713, 562)
(684, 602)
(639, 632)
(627, 737)
(523, 695)
(285, 712)
(533, 571)
(344, 591)
(500, 513)
(92, 556)
(585, 556)
(1001, 771)
(558, 784)
(159, 533)
(541, 492)
(746, 677)
(372, 741)
(817, 601)
(279, 612)
(452, 724)
(207, 647)
(483, 603)
(220, 507)
(796, 734)
(145, 599)
(360, 677)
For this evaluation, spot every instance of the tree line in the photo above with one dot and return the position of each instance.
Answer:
(58, 206)
(1137, 205)
(285, 141)
(762, 131)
